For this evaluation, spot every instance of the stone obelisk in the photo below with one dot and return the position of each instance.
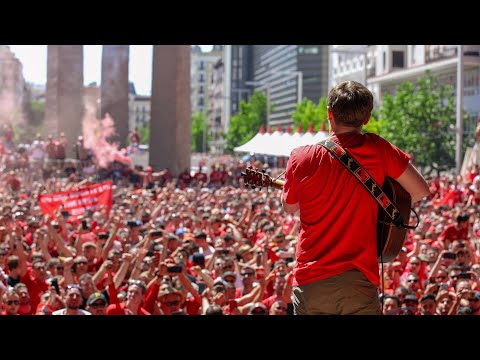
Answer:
(170, 124)
(114, 89)
(64, 100)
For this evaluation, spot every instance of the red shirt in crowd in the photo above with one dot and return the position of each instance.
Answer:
(338, 219)
(13, 183)
(451, 233)
(215, 177)
(35, 287)
(185, 177)
(119, 309)
(200, 177)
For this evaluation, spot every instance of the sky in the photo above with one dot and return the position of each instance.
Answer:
(34, 60)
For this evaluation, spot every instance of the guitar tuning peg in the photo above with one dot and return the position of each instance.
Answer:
(264, 171)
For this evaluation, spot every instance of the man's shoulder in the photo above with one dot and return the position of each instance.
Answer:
(304, 150)
(375, 138)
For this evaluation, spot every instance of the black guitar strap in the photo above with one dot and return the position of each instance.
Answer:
(364, 177)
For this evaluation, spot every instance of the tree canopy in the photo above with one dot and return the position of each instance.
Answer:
(198, 127)
(420, 119)
(307, 112)
(247, 122)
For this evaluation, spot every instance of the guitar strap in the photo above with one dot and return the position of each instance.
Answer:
(365, 179)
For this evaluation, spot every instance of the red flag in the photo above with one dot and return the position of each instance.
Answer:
(76, 202)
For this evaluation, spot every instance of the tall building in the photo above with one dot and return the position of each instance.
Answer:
(351, 62)
(200, 72)
(285, 73)
(238, 71)
(389, 65)
(215, 111)
(12, 87)
(289, 73)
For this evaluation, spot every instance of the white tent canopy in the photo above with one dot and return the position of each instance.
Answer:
(280, 143)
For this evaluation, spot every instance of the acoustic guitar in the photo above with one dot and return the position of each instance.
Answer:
(390, 237)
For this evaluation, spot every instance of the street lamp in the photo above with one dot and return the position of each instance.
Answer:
(458, 153)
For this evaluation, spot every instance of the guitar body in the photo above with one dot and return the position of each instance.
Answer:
(390, 238)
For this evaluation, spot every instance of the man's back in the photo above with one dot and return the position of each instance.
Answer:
(338, 215)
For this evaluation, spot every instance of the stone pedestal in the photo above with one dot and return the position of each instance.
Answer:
(114, 89)
(170, 124)
(64, 99)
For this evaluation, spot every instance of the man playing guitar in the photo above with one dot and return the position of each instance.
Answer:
(336, 269)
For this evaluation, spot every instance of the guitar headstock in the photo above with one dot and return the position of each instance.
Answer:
(260, 179)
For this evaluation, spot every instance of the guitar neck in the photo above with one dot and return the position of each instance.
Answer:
(259, 179)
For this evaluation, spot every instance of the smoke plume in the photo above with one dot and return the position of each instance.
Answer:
(96, 133)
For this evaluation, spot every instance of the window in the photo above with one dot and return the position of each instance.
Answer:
(202, 65)
(397, 59)
(311, 50)
(384, 61)
(308, 50)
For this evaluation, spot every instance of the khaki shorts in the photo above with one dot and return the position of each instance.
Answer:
(349, 293)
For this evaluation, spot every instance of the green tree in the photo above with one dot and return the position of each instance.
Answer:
(375, 124)
(37, 109)
(420, 119)
(34, 112)
(198, 127)
(246, 123)
(144, 134)
(306, 113)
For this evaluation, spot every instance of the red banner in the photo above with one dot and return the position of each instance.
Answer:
(76, 202)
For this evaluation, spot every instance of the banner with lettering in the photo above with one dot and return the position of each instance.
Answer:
(76, 202)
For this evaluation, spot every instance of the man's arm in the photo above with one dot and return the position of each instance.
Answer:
(414, 183)
(289, 208)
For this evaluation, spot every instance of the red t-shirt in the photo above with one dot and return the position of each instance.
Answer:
(35, 288)
(338, 216)
(268, 302)
(185, 178)
(200, 176)
(119, 309)
(451, 233)
(14, 183)
(215, 177)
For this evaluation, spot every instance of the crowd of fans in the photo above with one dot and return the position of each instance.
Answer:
(200, 244)
(438, 271)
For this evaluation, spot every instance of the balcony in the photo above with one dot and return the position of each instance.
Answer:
(371, 71)
(439, 52)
